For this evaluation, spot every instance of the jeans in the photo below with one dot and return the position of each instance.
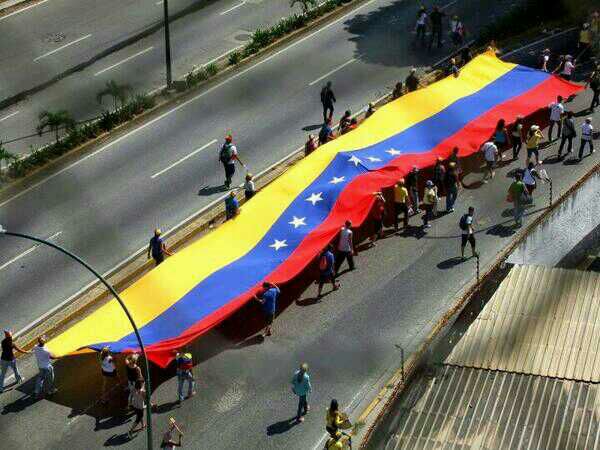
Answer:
(552, 123)
(518, 211)
(582, 147)
(341, 258)
(564, 139)
(182, 377)
(414, 197)
(4, 365)
(451, 197)
(302, 406)
(517, 144)
(229, 172)
(45, 380)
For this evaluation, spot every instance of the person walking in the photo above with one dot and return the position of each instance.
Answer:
(585, 42)
(138, 404)
(412, 80)
(327, 270)
(109, 372)
(185, 365)
(157, 248)
(567, 67)
(412, 183)
(534, 137)
(327, 100)
(249, 189)
(378, 214)
(133, 372)
(401, 203)
(8, 359)
(421, 26)
(587, 136)
(594, 84)
(439, 175)
(45, 377)
(302, 388)
(490, 154)
(501, 137)
(168, 441)
(545, 59)
(452, 184)
(517, 194)
(228, 155)
(435, 18)
(529, 179)
(457, 31)
(345, 247)
(430, 199)
(557, 110)
(232, 206)
(268, 298)
(568, 134)
(467, 233)
(516, 137)
(453, 158)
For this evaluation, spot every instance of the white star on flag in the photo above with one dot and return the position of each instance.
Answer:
(314, 198)
(355, 160)
(298, 222)
(278, 244)
(336, 180)
(373, 159)
(393, 151)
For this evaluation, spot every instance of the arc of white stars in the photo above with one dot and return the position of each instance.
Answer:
(336, 180)
(278, 244)
(393, 152)
(355, 159)
(373, 159)
(315, 197)
(298, 222)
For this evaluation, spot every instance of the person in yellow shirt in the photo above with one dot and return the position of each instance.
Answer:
(339, 442)
(585, 42)
(401, 201)
(534, 137)
(335, 419)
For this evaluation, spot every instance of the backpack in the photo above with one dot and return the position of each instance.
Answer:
(185, 362)
(226, 153)
(463, 222)
(323, 263)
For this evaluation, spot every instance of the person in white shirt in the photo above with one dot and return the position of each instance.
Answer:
(567, 68)
(545, 59)
(45, 378)
(587, 135)
(530, 175)
(345, 247)
(490, 153)
(557, 110)
(421, 25)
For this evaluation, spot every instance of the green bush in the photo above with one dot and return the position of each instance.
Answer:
(261, 38)
(211, 70)
(234, 58)
(107, 122)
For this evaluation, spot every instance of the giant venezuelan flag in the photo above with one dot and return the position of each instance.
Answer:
(282, 229)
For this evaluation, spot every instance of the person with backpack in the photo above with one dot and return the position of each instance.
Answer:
(327, 270)
(327, 100)
(345, 247)
(517, 194)
(185, 365)
(568, 134)
(158, 248)
(302, 388)
(594, 84)
(557, 110)
(228, 155)
(467, 233)
(268, 299)
(326, 132)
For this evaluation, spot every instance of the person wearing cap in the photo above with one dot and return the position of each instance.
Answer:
(345, 247)
(401, 203)
(157, 248)
(568, 134)
(370, 110)
(232, 206)
(430, 199)
(8, 358)
(185, 365)
(557, 111)
(412, 184)
(311, 144)
(587, 137)
(45, 377)
(302, 388)
(412, 80)
(228, 155)
(327, 100)
(490, 155)
(249, 189)
(534, 137)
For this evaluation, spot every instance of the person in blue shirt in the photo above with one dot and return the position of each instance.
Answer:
(232, 206)
(327, 270)
(158, 248)
(301, 387)
(268, 299)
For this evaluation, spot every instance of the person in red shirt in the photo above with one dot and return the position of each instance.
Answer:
(378, 215)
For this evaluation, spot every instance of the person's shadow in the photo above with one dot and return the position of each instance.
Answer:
(312, 127)
(282, 426)
(210, 190)
(450, 263)
(117, 440)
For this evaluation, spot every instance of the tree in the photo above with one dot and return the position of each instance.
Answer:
(306, 5)
(118, 92)
(54, 121)
(6, 156)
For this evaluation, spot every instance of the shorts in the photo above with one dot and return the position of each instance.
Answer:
(269, 317)
(533, 151)
(112, 374)
(467, 238)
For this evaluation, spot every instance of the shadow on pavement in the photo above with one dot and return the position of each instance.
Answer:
(282, 426)
(206, 191)
(450, 263)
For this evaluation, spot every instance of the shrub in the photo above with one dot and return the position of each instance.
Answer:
(261, 38)
(107, 122)
(234, 58)
(211, 70)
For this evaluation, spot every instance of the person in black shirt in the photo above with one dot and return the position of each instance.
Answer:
(8, 359)
(157, 248)
(452, 184)
(436, 26)
(327, 100)
(412, 184)
(412, 81)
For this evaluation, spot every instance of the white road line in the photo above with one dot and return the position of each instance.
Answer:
(9, 116)
(52, 52)
(340, 67)
(23, 10)
(154, 91)
(26, 252)
(233, 8)
(159, 3)
(129, 58)
(222, 56)
(185, 103)
(448, 5)
(176, 163)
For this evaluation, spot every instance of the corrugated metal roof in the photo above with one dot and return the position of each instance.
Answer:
(542, 321)
(465, 408)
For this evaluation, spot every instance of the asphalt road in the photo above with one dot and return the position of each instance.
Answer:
(47, 40)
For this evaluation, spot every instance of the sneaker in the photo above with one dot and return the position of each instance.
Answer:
(427, 226)
(300, 419)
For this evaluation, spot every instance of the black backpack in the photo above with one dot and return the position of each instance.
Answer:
(463, 222)
(226, 153)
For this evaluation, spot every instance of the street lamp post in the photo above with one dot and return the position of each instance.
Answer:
(167, 43)
(127, 313)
